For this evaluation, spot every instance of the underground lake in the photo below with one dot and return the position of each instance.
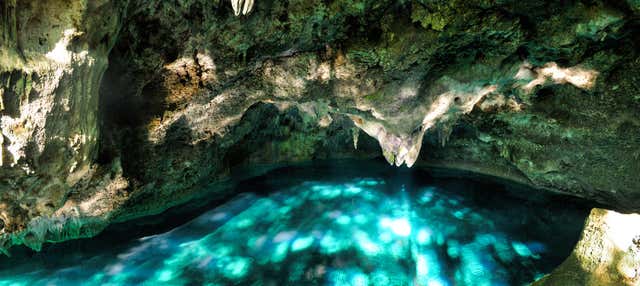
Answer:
(339, 223)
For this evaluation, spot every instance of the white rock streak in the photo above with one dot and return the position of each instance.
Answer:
(243, 7)
(60, 54)
(576, 76)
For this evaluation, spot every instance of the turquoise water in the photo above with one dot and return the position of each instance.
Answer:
(319, 227)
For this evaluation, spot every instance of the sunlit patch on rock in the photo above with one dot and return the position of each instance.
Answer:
(576, 76)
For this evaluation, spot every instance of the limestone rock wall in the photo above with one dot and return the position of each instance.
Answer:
(113, 110)
(52, 58)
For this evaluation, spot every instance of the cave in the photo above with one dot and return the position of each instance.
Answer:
(281, 142)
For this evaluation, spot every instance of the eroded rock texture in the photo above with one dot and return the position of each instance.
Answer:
(53, 57)
(542, 92)
(608, 253)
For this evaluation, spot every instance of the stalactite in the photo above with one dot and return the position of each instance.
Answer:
(243, 7)
(356, 134)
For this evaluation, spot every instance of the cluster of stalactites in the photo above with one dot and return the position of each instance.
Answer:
(242, 6)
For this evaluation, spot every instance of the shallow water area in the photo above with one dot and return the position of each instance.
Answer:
(331, 225)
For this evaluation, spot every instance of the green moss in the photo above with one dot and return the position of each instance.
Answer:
(401, 48)
(634, 5)
(436, 20)
(595, 27)
(376, 97)
(298, 146)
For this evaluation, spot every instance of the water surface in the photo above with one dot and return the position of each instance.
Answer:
(331, 226)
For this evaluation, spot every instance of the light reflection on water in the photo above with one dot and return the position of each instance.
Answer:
(364, 231)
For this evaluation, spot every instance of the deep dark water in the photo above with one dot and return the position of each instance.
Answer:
(352, 223)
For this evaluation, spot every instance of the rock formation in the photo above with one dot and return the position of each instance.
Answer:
(113, 110)
(608, 253)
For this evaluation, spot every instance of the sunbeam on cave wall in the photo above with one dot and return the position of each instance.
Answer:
(297, 227)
